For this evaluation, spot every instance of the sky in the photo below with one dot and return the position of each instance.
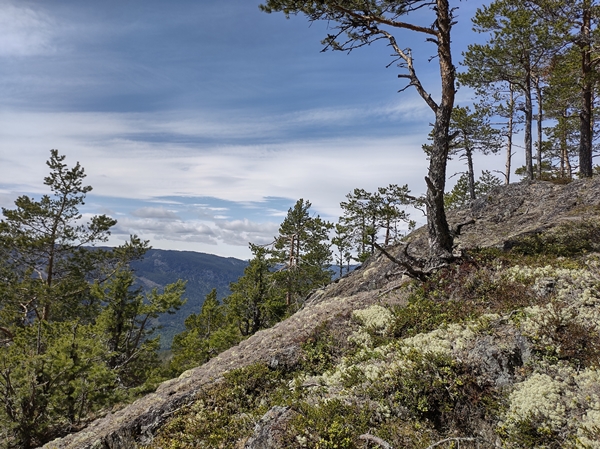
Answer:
(201, 122)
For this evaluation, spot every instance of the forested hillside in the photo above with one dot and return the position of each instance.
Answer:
(201, 272)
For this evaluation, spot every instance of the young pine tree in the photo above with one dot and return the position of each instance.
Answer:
(302, 252)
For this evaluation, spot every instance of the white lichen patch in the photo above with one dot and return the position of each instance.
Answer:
(588, 432)
(561, 401)
(540, 399)
(444, 340)
(369, 365)
(375, 317)
(576, 298)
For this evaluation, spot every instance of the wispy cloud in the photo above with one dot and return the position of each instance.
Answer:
(158, 229)
(25, 32)
(155, 212)
(122, 167)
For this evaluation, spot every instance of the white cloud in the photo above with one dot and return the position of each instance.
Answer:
(312, 168)
(124, 167)
(154, 212)
(230, 233)
(25, 32)
(241, 232)
(161, 229)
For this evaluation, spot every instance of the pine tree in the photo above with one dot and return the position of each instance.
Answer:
(357, 24)
(473, 132)
(302, 252)
(126, 323)
(517, 54)
(62, 355)
(342, 241)
(206, 334)
(575, 24)
(367, 215)
(460, 195)
(256, 302)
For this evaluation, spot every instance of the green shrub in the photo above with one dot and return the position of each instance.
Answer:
(330, 424)
(566, 240)
(434, 388)
(225, 412)
(320, 350)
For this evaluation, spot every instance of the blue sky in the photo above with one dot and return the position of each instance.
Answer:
(200, 122)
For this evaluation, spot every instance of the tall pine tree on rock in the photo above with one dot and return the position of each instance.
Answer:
(359, 23)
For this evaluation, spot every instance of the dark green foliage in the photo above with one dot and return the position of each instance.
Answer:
(331, 424)
(437, 389)
(563, 338)
(459, 196)
(320, 350)
(303, 252)
(530, 433)
(207, 334)
(75, 332)
(52, 375)
(126, 323)
(424, 314)
(255, 302)
(225, 412)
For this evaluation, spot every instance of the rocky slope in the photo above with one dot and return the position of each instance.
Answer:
(501, 219)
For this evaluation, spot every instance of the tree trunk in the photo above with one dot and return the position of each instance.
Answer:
(528, 125)
(585, 144)
(509, 135)
(440, 239)
(471, 172)
(540, 131)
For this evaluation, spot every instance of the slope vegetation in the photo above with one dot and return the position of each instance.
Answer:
(500, 349)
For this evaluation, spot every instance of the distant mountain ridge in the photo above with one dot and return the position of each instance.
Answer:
(202, 271)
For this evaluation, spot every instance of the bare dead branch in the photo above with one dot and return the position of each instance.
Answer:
(7, 332)
(406, 55)
(459, 226)
(410, 270)
(379, 19)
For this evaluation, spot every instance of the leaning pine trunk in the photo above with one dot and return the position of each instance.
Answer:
(440, 238)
